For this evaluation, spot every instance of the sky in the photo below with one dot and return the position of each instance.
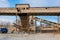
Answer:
(32, 3)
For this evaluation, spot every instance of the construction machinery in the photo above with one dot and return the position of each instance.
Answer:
(53, 24)
(3, 30)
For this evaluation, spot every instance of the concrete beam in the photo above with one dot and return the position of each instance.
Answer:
(25, 22)
(25, 8)
(8, 10)
(22, 6)
(41, 10)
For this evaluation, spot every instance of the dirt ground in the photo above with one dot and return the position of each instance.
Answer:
(38, 36)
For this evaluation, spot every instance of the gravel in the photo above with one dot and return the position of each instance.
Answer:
(37, 36)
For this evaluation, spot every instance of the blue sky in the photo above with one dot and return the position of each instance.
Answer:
(33, 3)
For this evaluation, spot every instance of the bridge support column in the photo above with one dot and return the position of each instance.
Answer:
(32, 22)
(25, 22)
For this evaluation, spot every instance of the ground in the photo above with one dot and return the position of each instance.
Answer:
(37, 36)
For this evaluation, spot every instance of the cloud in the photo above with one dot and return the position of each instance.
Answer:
(4, 3)
(34, 2)
(41, 3)
(37, 2)
(10, 19)
(6, 20)
(56, 2)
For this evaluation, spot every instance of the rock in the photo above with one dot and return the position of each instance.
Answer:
(26, 34)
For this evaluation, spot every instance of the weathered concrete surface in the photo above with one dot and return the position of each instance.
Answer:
(39, 36)
(8, 10)
(22, 8)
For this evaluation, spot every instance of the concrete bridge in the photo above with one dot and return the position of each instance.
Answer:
(24, 11)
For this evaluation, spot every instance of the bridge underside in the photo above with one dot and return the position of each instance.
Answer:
(25, 17)
(44, 14)
(33, 14)
(8, 14)
(24, 11)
